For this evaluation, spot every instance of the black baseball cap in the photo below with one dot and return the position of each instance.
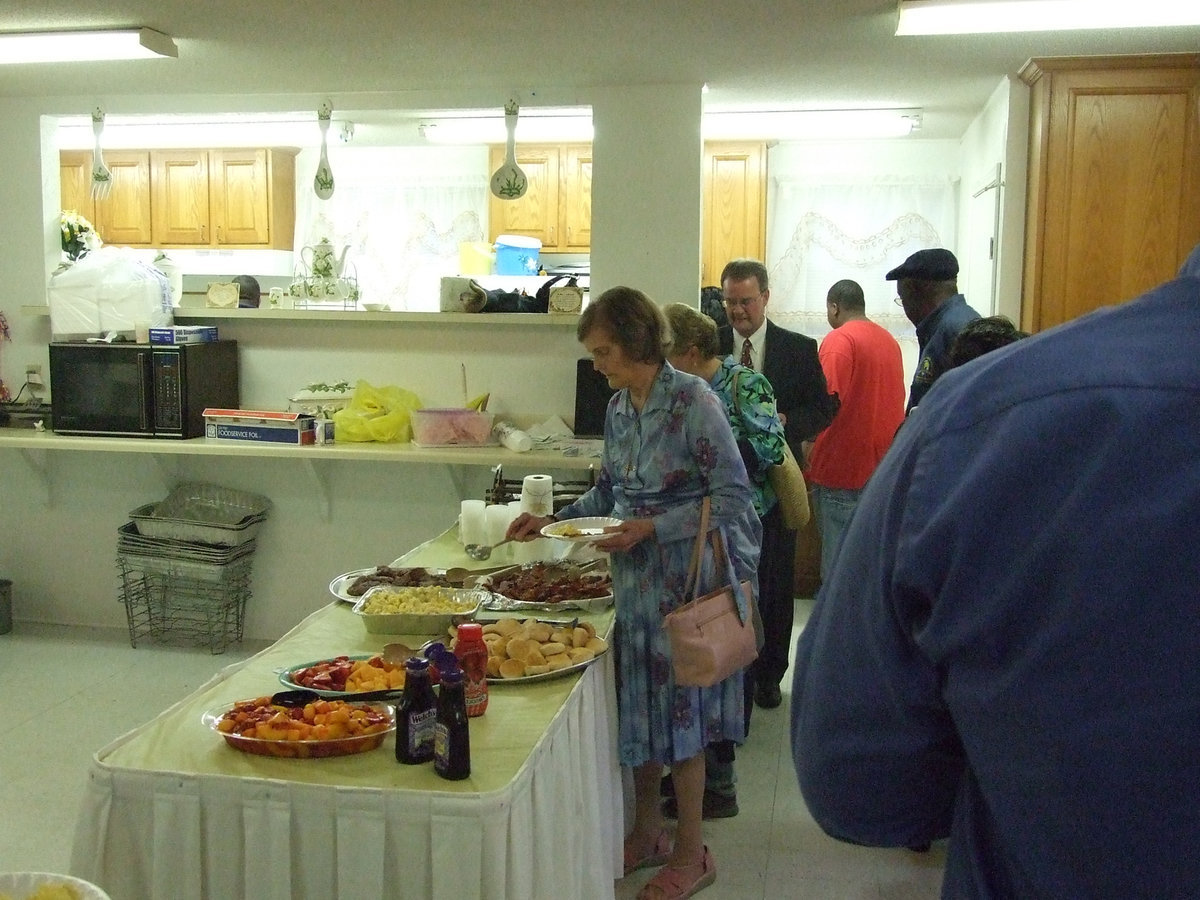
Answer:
(927, 265)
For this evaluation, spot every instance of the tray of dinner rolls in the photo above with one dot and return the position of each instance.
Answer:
(532, 649)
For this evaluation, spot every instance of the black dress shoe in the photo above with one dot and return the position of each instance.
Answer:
(768, 695)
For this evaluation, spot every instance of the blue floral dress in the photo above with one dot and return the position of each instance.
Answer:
(756, 425)
(660, 464)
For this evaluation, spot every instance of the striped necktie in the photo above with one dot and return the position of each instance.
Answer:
(747, 359)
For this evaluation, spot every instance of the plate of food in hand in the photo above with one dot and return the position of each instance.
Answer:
(315, 730)
(521, 650)
(547, 585)
(341, 677)
(585, 529)
(352, 585)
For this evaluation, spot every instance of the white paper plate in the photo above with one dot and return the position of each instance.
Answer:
(22, 884)
(585, 529)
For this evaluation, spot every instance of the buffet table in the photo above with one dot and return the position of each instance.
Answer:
(172, 813)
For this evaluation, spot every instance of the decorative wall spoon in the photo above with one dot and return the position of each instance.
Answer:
(508, 181)
(323, 180)
(101, 176)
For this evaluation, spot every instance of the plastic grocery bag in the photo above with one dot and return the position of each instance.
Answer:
(376, 414)
(110, 289)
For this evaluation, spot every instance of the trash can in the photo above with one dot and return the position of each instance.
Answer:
(5, 606)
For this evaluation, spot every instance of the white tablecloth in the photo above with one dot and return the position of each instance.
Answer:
(171, 813)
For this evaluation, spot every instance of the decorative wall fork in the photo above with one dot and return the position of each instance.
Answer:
(101, 176)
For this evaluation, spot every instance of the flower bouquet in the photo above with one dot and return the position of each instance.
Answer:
(78, 235)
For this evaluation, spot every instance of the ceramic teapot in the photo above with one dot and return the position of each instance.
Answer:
(322, 261)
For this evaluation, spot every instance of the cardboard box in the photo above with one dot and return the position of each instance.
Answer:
(184, 334)
(261, 426)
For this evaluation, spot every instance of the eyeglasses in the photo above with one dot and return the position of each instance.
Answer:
(741, 301)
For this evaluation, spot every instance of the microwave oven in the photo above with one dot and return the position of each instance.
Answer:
(140, 390)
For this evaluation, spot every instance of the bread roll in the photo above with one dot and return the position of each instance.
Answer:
(493, 666)
(512, 668)
(597, 645)
(536, 670)
(519, 648)
(580, 637)
(581, 654)
(540, 632)
(534, 657)
(553, 648)
(558, 661)
(507, 625)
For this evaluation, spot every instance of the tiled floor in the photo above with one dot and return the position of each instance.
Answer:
(69, 691)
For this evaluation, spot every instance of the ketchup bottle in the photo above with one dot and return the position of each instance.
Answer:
(472, 654)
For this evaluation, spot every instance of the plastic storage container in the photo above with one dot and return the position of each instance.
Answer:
(517, 255)
(457, 427)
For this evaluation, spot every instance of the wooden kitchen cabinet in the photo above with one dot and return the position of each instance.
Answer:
(557, 206)
(1113, 205)
(188, 198)
(735, 206)
(123, 217)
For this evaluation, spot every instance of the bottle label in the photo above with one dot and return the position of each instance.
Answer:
(477, 697)
(420, 731)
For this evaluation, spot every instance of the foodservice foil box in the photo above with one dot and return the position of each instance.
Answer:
(265, 426)
(184, 334)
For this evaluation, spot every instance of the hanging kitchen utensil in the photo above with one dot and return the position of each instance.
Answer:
(323, 180)
(508, 181)
(101, 176)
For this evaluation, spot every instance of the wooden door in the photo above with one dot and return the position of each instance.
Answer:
(239, 194)
(75, 183)
(536, 214)
(1114, 184)
(124, 216)
(577, 198)
(735, 203)
(180, 199)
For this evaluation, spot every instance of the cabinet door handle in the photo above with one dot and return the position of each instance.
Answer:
(551, 233)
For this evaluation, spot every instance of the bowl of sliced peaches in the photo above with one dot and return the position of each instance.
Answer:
(340, 677)
(314, 730)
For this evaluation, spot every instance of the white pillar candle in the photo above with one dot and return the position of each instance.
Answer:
(498, 517)
(472, 522)
(532, 551)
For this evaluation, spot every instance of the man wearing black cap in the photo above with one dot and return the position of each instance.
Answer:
(927, 288)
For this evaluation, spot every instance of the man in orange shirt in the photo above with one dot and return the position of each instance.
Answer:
(863, 365)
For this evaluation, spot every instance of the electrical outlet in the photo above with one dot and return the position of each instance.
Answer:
(33, 374)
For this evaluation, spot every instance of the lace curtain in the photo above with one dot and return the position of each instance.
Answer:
(821, 230)
(401, 211)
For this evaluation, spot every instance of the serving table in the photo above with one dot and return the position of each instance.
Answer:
(173, 813)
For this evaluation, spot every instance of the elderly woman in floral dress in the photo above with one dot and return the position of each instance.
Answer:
(667, 445)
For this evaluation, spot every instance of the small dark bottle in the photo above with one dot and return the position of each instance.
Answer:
(452, 741)
(416, 714)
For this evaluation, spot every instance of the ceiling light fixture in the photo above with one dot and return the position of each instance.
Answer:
(531, 128)
(993, 16)
(810, 124)
(85, 46)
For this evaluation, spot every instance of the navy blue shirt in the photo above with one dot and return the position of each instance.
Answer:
(1008, 649)
(935, 333)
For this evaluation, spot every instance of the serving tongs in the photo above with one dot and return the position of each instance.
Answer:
(101, 176)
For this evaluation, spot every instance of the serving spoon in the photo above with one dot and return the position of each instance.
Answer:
(482, 551)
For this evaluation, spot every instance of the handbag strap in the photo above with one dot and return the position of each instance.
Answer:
(703, 536)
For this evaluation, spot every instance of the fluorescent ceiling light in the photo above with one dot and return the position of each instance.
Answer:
(162, 132)
(810, 124)
(81, 46)
(988, 16)
(491, 130)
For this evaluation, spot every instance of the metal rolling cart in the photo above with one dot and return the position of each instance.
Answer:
(185, 566)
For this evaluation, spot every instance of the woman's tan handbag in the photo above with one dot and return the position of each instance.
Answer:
(709, 638)
(788, 482)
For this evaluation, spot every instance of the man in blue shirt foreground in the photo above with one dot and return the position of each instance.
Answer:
(1008, 650)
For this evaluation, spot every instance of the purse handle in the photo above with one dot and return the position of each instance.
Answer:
(703, 536)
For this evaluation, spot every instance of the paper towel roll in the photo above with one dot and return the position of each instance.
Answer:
(537, 495)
